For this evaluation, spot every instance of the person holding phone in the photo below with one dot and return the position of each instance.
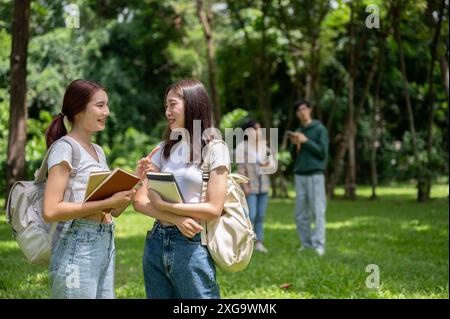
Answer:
(309, 150)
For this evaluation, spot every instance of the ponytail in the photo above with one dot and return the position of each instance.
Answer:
(56, 130)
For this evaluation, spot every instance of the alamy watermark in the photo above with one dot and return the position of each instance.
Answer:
(72, 16)
(373, 19)
(73, 276)
(373, 280)
(251, 146)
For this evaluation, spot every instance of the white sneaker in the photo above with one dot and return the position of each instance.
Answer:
(303, 248)
(320, 251)
(260, 247)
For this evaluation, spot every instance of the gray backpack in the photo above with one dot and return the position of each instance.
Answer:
(24, 211)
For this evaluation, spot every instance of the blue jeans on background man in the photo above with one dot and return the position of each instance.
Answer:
(310, 206)
(257, 205)
(177, 267)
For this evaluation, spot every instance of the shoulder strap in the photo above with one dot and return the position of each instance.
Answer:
(40, 174)
(205, 178)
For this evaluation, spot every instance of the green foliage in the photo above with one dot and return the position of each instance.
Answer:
(36, 145)
(233, 119)
(128, 148)
(137, 48)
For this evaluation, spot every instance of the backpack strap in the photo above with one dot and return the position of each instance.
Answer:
(41, 173)
(205, 178)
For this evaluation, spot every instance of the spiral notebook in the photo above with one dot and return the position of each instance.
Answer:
(166, 186)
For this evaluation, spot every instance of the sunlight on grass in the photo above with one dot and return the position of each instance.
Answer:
(407, 240)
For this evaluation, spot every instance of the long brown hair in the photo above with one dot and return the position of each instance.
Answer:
(197, 106)
(77, 96)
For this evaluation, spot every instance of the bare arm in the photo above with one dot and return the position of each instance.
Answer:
(211, 208)
(141, 203)
(54, 207)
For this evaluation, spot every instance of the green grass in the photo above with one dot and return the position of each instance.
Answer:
(407, 240)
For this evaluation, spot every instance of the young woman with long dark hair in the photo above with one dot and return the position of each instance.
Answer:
(175, 263)
(82, 261)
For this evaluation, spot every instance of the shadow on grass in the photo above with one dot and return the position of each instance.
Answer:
(407, 240)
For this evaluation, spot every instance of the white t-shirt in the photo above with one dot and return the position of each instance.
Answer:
(62, 152)
(188, 175)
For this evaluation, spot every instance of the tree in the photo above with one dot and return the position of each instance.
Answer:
(205, 16)
(424, 188)
(18, 107)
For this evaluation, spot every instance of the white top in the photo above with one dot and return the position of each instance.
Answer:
(189, 175)
(62, 152)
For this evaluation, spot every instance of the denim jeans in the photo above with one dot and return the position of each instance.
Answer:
(177, 267)
(310, 205)
(82, 262)
(257, 205)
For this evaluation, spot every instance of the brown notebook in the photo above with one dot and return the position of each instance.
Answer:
(118, 180)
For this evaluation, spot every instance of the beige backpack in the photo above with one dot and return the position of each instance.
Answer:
(230, 237)
(24, 211)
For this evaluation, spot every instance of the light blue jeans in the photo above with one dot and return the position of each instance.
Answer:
(257, 205)
(177, 267)
(82, 262)
(310, 205)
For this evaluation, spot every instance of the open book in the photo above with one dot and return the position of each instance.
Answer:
(166, 186)
(102, 185)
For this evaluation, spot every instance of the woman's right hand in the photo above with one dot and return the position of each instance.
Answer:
(144, 165)
(246, 189)
(188, 227)
(121, 199)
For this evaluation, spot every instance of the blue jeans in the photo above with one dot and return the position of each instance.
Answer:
(257, 205)
(82, 262)
(177, 267)
(310, 205)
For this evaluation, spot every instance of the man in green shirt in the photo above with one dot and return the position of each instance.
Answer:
(309, 150)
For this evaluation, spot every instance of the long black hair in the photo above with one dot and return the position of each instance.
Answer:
(197, 106)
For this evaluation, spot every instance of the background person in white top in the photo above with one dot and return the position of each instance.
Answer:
(175, 263)
(252, 156)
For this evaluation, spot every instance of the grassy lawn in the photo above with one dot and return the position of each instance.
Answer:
(408, 241)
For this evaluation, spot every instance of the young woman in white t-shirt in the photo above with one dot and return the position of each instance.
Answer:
(175, 263)
(82, 261)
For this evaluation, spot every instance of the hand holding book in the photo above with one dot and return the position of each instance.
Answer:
(116, 188)
(121, 199)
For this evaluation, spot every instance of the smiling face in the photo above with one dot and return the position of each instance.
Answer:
(175, 110)
(93, 118)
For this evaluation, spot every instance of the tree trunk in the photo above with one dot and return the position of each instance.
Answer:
(396, 14)
(263, 71)
(444, 72)
(205, 16)
(349, 123)
(376, 118)
(424, 194)
(264, 67)
(18, 107)
(295, 78)
(350, 185)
